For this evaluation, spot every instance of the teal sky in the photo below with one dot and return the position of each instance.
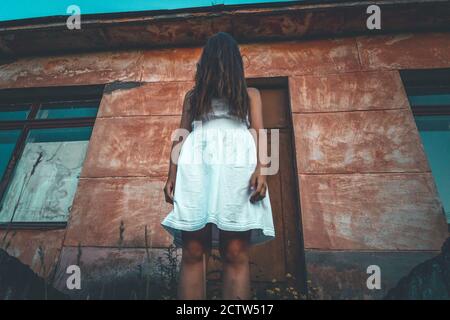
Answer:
(21, 9)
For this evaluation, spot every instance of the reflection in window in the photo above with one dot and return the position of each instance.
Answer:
(46, 176)
(64, 112)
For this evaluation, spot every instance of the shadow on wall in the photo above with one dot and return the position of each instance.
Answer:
(19, 282)
(428, 280)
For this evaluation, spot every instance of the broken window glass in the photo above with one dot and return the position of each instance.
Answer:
(46, 177)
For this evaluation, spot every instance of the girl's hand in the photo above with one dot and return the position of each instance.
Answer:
(169, 189)
(259, 185)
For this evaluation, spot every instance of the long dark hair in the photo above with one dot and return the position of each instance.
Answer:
(220, 73)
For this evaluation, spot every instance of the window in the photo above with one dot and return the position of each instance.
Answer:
(43, 143)
(429, 96)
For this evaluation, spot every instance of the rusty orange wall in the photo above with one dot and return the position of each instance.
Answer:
(367, 195)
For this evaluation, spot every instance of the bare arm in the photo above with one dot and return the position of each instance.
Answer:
(184, 124)
(258, 180)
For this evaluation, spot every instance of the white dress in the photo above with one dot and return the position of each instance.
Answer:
(212, 184)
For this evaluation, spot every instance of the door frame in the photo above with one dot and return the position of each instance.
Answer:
(300, 261)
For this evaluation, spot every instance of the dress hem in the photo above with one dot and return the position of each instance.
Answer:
(173, 227)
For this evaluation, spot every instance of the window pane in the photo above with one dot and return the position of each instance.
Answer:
(64, 112)
(435, 134)
(46, 176)
(8, 140)
(430, 100)
(14, 113)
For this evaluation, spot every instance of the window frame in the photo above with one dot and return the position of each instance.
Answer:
(38, 97)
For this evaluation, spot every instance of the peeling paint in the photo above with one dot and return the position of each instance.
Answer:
(358, 142)
(368, 212)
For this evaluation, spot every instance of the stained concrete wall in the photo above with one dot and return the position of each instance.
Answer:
(367, 194)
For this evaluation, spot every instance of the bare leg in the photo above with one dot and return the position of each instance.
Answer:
(196, 250)
(234, 250)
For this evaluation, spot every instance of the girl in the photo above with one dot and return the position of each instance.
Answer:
(219, 194)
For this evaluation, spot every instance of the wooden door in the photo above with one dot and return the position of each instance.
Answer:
(283, 255)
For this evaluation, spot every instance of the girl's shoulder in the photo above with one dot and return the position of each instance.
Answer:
(253, 92)
(252, 89)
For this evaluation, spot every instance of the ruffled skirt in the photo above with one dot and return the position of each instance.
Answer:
(212, 184)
